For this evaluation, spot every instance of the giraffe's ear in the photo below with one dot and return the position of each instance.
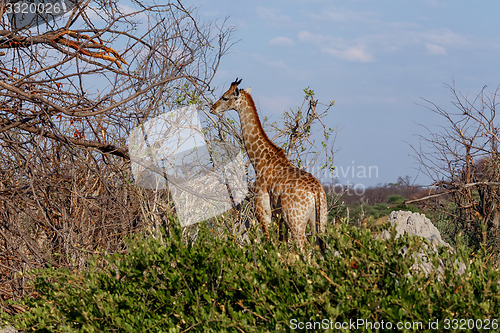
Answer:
(236, 92)
(248, 90)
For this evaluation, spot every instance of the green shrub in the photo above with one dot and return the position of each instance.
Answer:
(394, 199)
(217, 285)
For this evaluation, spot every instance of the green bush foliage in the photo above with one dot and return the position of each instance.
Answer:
(215, 284)
(394, 199)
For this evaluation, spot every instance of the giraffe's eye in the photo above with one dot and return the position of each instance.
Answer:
(224, 98)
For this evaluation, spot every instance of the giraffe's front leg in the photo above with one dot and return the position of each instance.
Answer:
(263, 211)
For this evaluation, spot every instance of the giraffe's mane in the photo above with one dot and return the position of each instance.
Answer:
(249, 98)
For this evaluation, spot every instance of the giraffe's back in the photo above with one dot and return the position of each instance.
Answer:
(299, 194)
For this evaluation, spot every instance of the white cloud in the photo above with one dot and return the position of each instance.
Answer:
(355, 53)
(281, 41)
(338, 47)
(343, 15)
(435, 49)
(271, 14)
(446, 37)
(375, 36)
(357, 18)
(278, 64)
(386, 38)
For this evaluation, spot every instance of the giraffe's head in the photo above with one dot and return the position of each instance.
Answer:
(230, 100)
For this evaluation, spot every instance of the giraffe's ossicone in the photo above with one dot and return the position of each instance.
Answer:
(279, 183)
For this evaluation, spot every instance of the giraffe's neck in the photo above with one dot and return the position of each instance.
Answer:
(260, 149)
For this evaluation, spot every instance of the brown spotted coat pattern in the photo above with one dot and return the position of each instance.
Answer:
(278, 182)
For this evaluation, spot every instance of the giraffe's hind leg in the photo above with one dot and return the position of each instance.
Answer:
(283, 230)
(296, 213)
(297, 225)
(282, 225)
(317, 220)
(316, 229)
(263, 211)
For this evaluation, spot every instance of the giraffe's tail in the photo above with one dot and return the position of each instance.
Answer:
(321, 218)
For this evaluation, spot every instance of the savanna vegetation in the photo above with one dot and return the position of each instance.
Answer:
(216, 284)
(83, 248)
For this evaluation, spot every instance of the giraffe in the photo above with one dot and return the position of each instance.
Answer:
(279, 183)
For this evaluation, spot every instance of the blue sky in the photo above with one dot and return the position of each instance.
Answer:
(376, 59)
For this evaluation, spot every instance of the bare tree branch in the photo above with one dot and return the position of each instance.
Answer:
(71, 90)
(463, 160)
